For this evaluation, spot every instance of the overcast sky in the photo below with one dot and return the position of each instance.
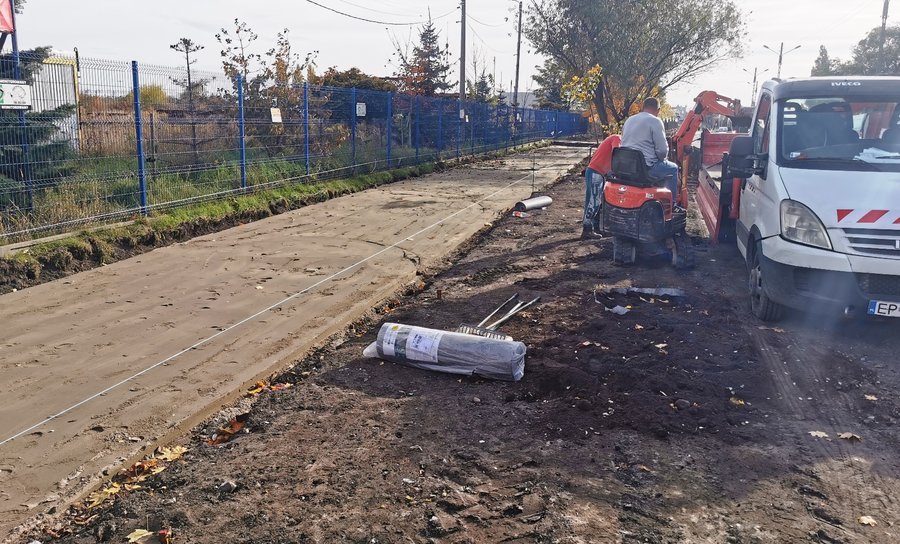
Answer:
(142, 30)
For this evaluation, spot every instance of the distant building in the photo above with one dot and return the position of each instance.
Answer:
(526, 99)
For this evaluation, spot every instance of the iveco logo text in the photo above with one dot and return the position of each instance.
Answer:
(846, 84)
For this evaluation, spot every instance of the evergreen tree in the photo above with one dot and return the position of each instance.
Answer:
(551, 78)
(48, 156)
(482, 89)
(424, 72)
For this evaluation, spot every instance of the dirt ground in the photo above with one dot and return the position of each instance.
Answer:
(684, 421)
(101, 366)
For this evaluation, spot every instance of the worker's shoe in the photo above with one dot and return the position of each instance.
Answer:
(588, 233)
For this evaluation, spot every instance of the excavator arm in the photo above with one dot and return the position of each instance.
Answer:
(706, 103)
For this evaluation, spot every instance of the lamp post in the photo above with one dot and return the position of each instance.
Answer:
(781, 53)
(753, 89)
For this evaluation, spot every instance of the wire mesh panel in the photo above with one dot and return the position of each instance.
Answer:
(74, 157)
(190, 135)
(372, 122)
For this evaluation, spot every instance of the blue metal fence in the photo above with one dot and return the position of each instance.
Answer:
(110, 140)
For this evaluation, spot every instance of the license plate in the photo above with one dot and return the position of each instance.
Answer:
(885, 309)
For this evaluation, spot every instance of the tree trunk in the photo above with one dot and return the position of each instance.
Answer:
(599, 101)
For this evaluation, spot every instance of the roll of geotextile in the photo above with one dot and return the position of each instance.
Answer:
(450, 352)
(533, 203)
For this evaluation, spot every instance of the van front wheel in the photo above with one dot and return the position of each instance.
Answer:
(762, 306)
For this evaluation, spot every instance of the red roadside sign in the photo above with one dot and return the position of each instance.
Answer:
(6, 17)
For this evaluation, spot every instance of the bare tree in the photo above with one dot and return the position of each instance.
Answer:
(186, 46)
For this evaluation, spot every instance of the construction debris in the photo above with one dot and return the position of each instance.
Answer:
(533, 203)
(449, 352)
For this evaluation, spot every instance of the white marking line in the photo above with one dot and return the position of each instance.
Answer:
(261, 312)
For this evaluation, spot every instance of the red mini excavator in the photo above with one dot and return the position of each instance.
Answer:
(638, 211)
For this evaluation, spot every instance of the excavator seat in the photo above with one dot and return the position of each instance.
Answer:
(629, 168)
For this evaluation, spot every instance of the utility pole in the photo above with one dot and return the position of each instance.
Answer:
(884, 18)
(187, 46)
(755, 80)
(462, 61)
(781, 53)
(515, 98)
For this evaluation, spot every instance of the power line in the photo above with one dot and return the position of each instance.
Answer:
(371, 9)
(484, 43)
(486, 24)
(364, 19)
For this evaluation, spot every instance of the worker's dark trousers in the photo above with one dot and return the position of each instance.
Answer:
(593, 189)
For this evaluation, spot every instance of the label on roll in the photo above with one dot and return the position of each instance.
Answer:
(422, 345)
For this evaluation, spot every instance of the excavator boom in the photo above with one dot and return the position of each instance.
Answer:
(706, 103)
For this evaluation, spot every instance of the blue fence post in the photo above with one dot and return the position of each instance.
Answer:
(556, 125)
(474, 107)
(440, 134)
(498, 128)
(418, 110)
(242, 130)
(306, 125)
(459, 114)
(353, 130)
(390, 127)
(139, 134)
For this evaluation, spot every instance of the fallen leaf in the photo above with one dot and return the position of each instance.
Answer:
(138, 535)
(661, 346)
(736, 401)
(142, 470)
(644, 468)
(867, 520)
(872, 398)
(638, 327)
(171, 454)
(256, 389)
(280, 386)
(227, 433)
(99, 497)
(849, 436)
(818, 434)
(133, 487)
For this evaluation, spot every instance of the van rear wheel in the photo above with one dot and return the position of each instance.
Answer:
(760, 304)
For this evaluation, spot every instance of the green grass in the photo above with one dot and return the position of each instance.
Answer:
(103, 246)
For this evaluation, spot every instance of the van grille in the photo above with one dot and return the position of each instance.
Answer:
(881, 242)
(879, 284)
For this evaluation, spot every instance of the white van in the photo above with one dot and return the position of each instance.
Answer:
(819, 217)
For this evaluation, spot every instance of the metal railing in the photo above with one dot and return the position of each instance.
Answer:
(109, 140)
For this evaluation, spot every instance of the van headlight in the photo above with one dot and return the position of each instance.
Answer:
(799, 224)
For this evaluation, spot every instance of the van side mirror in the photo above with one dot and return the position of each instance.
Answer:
(742, 163)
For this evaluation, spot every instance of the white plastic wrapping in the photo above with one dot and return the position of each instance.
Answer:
(449, 352)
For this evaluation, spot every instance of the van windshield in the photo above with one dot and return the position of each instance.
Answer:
(840, 133)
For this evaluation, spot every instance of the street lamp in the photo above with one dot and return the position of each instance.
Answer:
(753, 89)
(781, 53)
